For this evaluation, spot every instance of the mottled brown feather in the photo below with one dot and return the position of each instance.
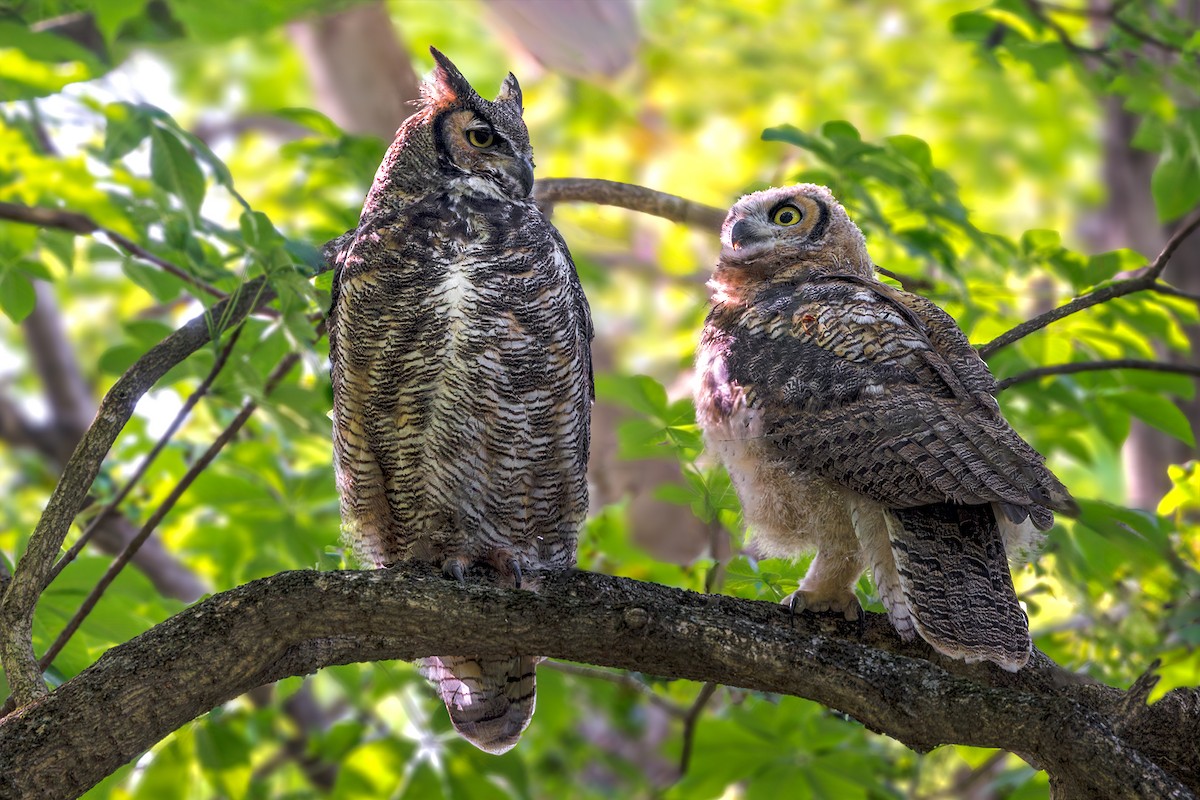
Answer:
(459, 355)
(856, 419)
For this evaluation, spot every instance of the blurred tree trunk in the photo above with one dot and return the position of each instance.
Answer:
(1129, 219)
(360, 70)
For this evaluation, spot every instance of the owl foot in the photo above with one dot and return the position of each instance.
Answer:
(507, 565)
(844, 603)
(453, 568)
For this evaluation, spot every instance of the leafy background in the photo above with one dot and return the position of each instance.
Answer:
(973, 144)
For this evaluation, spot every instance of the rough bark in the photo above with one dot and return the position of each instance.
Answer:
(1094, 741)
(1128, 220)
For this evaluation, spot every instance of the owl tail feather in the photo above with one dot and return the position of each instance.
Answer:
(955, 580)
(490, 700)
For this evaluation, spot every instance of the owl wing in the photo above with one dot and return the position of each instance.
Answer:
(885, 397)
(364, 457)
(578, 299)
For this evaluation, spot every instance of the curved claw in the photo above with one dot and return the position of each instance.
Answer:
(862, 622)
(793, 600)
(515, 567)
(454, 569)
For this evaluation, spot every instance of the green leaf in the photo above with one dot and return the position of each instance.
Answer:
(639, 392)
(162, 286)
(793, 135)
(313, 120)
(1175, 183)
(912, 149)
(840, 128)
(1103, 266)
(1040, 243)
(34, 64)
(115, 360)
(127, 128)
(173, 168)
(17, 297)
(257, 230)
(1158, 412)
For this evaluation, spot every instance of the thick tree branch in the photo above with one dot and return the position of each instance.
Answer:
(1147, 279)
(297, 622)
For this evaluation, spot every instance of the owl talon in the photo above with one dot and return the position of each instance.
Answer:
(845, 604)
(515, 567)
(454, 569)
(796, 603)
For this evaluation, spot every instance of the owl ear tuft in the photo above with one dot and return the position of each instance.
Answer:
(510, 92)
(446, 84)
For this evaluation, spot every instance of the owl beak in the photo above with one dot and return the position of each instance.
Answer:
(525, 175)
(740, 233)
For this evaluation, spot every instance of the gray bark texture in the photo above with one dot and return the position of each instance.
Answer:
(1094, 741)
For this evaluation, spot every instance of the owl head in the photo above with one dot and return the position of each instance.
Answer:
(791, 228)
(458, 138)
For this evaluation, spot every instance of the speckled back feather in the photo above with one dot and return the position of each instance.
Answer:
(856, 419)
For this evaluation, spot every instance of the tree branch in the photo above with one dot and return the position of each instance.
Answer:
(176, 422)
(1097, 366)
(297, 622)
(549, 191)
(82, 224)
(200, 464)
(16, 608)
(1146, 280)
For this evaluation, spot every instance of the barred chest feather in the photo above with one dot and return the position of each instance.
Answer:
(466, 331)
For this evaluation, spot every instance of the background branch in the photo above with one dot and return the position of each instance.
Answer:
(1091, 741)
(1146, 280)
(84, 225)
(1096, 366)
(549, 191)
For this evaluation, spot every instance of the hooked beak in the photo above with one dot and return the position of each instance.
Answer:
(741, 232)
(524, 176)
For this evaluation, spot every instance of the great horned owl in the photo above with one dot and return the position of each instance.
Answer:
(857, 420)
(459, 351)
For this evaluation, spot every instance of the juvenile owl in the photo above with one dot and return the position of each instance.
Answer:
(459, 351)
(856, 419)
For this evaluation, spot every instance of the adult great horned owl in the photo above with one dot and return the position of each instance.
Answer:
(459, 351)
(857, 420)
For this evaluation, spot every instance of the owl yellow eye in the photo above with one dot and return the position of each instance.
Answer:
(787, 215)
(481, 138)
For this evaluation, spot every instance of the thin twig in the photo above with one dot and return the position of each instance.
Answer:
(1148, 279)
(190, 403)
(168, 503)
(84, 225)
(689, 724)
(623, 679)
(1167, 289)
(1097, 366)
(549, 191)
(1140, 34)
(1064, 38)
